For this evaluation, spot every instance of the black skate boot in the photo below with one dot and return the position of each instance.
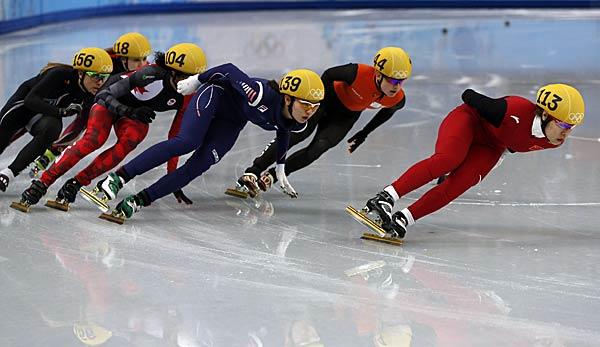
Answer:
(34, 193)
(381, 205)
(68, 192)
(397, 226)
(3, 182)
(30, 196)
(66, 195)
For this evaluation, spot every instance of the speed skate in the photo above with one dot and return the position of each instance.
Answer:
(94, 199)
(114, 216)
(362, 217)
(58, 204)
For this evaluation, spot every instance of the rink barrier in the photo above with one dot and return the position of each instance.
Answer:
(21, 23)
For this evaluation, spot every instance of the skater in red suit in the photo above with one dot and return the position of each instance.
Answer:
(471, 140)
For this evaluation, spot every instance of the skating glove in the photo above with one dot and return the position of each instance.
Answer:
(71, 110)
(143, 114)
(188, 85)
(181, 197)
(283, 181)
(356, 140)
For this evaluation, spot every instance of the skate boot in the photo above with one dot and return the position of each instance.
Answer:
(111, 185)
(266, 181)
(105, 190)
(4, 182)
(42, 163)
(247, 185)
(66, 195)
(30, 196)
(397, 226)
(381, 205)
(125, 209)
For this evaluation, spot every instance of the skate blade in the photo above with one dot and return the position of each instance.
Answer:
(390, 240)
(61, 206)
(112, 217)
(20, 206)
(89, 196)
(360, 217)
(237, 193)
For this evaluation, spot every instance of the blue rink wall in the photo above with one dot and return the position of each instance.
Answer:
(21, 14)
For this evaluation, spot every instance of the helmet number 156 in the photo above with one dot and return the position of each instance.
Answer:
(83, 59)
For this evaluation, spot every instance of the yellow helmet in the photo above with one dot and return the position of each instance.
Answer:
(393, 62)
(187, 58)
(303, 84)
(93, 59)
(132, 45)
(562, 102)
(91, 334)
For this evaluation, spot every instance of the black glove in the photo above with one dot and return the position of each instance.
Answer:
(356, 140)
(71, 110)
(182, 198)
(143, 114)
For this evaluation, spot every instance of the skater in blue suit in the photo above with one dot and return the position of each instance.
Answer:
(225, 100)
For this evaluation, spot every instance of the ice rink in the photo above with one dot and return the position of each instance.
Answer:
(513, 262)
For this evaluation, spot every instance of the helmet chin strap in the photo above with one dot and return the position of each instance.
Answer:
(545, 120)
(80, 82)
(378, 83)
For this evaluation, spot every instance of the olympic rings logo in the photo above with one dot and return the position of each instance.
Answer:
(399, 75)
(576, 118)
(106, 68)
(317, 94)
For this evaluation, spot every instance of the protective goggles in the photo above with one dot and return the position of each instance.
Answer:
(563, 125)
(393, 81)
(308, 106)
(97, 75)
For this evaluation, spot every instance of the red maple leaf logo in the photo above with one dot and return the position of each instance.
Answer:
(140, 90)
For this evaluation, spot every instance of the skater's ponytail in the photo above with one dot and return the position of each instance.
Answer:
(159, 59)
(51, 65)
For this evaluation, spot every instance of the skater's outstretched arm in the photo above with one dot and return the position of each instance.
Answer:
(492, 110)
(343, 73)
(52, 81)
(380, 117)
(109, 96)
